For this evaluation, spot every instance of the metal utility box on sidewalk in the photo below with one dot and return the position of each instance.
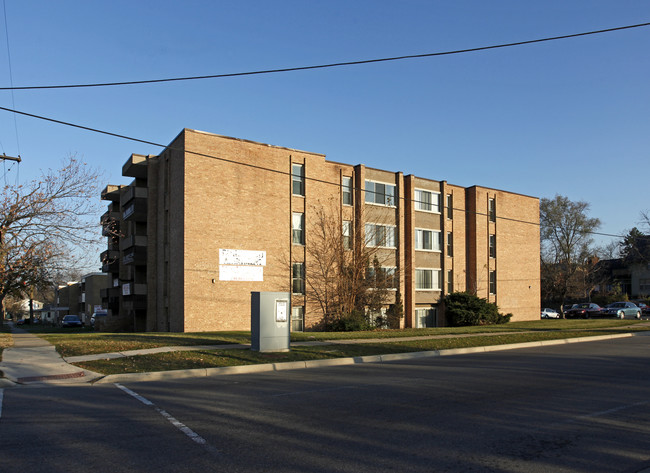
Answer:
(270, 315)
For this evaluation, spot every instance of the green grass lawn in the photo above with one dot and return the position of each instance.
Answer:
(482, 336)
(221, 358)
(73, 342)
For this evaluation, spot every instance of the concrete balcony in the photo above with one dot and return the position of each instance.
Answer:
(111, 192)
(130, 289)
(133, 240)
(136, 166)
(136, 255)
(135, 210)
(109, 256)
(111, 266)
(133, 192)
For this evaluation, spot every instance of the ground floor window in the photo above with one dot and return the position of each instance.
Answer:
(426, 317)
(297, 319)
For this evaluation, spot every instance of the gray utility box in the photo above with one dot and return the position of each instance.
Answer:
(270, 318)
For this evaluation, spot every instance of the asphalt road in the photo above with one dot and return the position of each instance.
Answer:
(581, 407)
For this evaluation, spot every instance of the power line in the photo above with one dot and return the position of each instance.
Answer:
(331, 65)
(254, 166)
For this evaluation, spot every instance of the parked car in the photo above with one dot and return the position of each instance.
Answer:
(623, 309)
(645, 308)
(584, 311)
(550, 314)
(71, 321)
(97, 315)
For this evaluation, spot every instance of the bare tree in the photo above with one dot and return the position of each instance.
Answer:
(347, 270)
(46, 226)
(566, 246)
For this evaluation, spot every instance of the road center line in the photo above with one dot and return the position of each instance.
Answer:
(172, 420)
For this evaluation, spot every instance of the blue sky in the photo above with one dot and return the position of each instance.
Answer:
(567, 117)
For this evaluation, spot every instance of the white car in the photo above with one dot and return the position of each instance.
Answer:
(550, 314)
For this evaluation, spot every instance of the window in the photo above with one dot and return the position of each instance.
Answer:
(493, 282)
(450, 206)
(427, 201)
(347, 235)
(427, 279)
(346, 189)
(492, 210)
(450, 244)
(427, 239)
(450, 281)
(386, 279)
(380, 235)
(644, 285)
(298, 278)
(298, 228)
(297, 319)
(493, 246)
(378, 193)
(425, 317)
(298, 179)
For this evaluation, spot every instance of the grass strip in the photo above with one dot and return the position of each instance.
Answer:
(74, 342)
(182, 360)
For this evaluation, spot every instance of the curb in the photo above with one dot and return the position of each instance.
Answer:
(292, 365)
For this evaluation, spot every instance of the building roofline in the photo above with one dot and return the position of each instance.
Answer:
(249, 141)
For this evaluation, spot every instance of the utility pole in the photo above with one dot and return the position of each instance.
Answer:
(10, 158)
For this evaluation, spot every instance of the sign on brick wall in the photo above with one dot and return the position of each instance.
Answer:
(241, 265)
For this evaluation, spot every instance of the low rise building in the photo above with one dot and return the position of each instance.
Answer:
(212, 218)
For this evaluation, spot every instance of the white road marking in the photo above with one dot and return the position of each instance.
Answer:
(176, 423)
(1, 397)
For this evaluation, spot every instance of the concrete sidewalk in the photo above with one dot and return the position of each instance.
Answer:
(33, 360)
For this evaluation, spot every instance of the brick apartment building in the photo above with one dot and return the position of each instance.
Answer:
(213, 218)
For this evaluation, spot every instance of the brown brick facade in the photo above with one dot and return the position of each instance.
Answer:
(206, 193)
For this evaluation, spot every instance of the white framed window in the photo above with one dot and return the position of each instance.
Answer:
(427, 201)
(347, 234)
(427, 240)
(380, 193)
(425, 317)
(387, 278)
(380, 235)
(298, 278)
(493, 282)
(427, 279)
(298, 179)
(492, 210)
(346, 190)
(493, 246)
(297, 319)
(298, 228)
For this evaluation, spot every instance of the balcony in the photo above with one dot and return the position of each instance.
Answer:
(109, 292)
(133, 241)
(136, 166)
(135, 210)
(137, 255)
(133, 192)
(111, 266)
(130, 289)
(109, 256)
(111, 192)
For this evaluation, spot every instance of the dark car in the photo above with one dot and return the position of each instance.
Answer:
(584, 311)
(645, 309)
(71, 321)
